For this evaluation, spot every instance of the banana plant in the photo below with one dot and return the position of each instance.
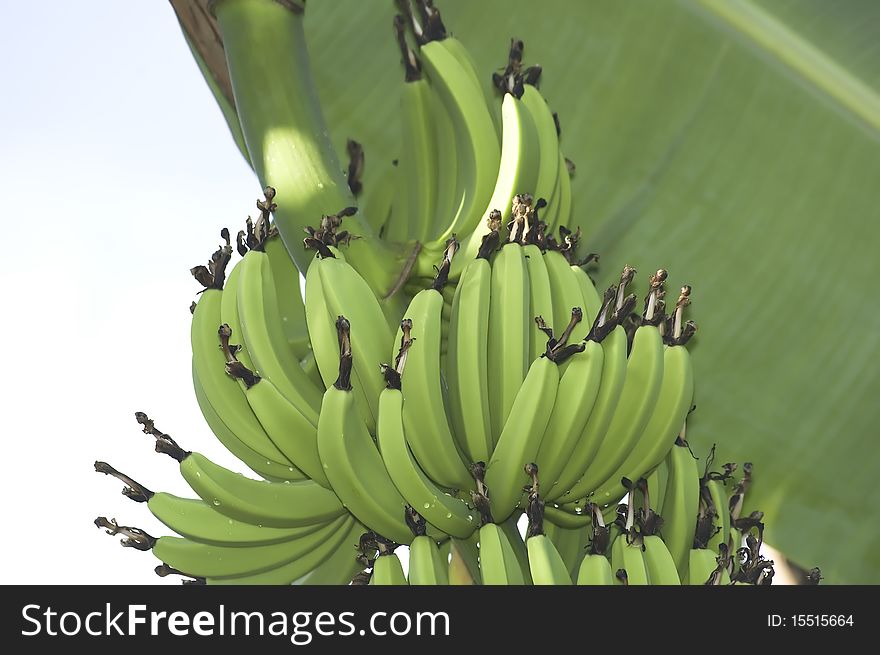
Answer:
(737, 141)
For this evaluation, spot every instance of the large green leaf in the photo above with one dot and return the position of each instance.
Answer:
(737, 144)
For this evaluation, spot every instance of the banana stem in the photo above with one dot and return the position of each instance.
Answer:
(164, 443)
(285, 133)
(133, 490)
(134, 537)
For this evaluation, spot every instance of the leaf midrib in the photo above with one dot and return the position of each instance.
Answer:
(802, 58)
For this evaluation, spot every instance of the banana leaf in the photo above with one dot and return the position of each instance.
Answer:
(737, 144)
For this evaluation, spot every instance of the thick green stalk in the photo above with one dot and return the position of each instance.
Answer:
(286, 136)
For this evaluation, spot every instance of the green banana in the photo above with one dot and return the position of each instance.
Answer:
(595, 570)
(464, 561)
(569, 542)
(294, 570)
(229, 314)
(516, 174)
(424, 414)
(521, 437)
(220, 391)
(672, 407)
(540, 297)
(387, 570)
(341, 566)
(578, 389)
(288, 428)
(325, 342)
(548, 141)
(467, 368)
(476, 141)
(681, 503)
(427, 565)
(351, 460)
(270, 469)
(509, 326)
(592, 301)
(457, 49)
(416, 188)
(701, 562)
(498, 561)
(638, 397)
(545, 562)
(274, 504)
(265, 339)
(566, 293)
(288, 295)
(659, 563)
(208, 560)
(614, 367)
(446, 512)
(348, 294)
(200, 521)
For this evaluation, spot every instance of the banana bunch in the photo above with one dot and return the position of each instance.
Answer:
(371, 430)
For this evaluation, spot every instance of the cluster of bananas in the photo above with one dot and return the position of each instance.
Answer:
(372, 432)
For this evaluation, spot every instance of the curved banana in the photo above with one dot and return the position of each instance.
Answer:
(614, 367)
(569, 542)
(521, 436)
(199, 521)
(276, 469)
(545, 563)
(659, 563)
(416, 189)
(387, 570)
(274, 504)
(353, 464)
(578, 389)
(681, 503)
(210, 561)
(288, 428)
(229, 314)
(548, 142)
(498, 562)
(595, 567)
(426, 563)
(562, 198)
(288, 295)
(595, 570)
(457, 49)
(324, 338)
(509, 328)
(449, 514)
(342, 564)
(294, 570)
(701, 563)
(516, 174)
(464, 561)
(222, 392)
(657, 486)
(467, 367)
(592, 301)
(424, 414)
(348, 294)
(566, 293)
(638, 397)
(265, 338)
(673, 404)
(718, 494)
(477, 144)
(629, 557)
(540, 298)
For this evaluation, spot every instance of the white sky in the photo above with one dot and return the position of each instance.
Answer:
(116, 174)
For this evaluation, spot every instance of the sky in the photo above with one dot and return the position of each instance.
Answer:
(116, 175)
